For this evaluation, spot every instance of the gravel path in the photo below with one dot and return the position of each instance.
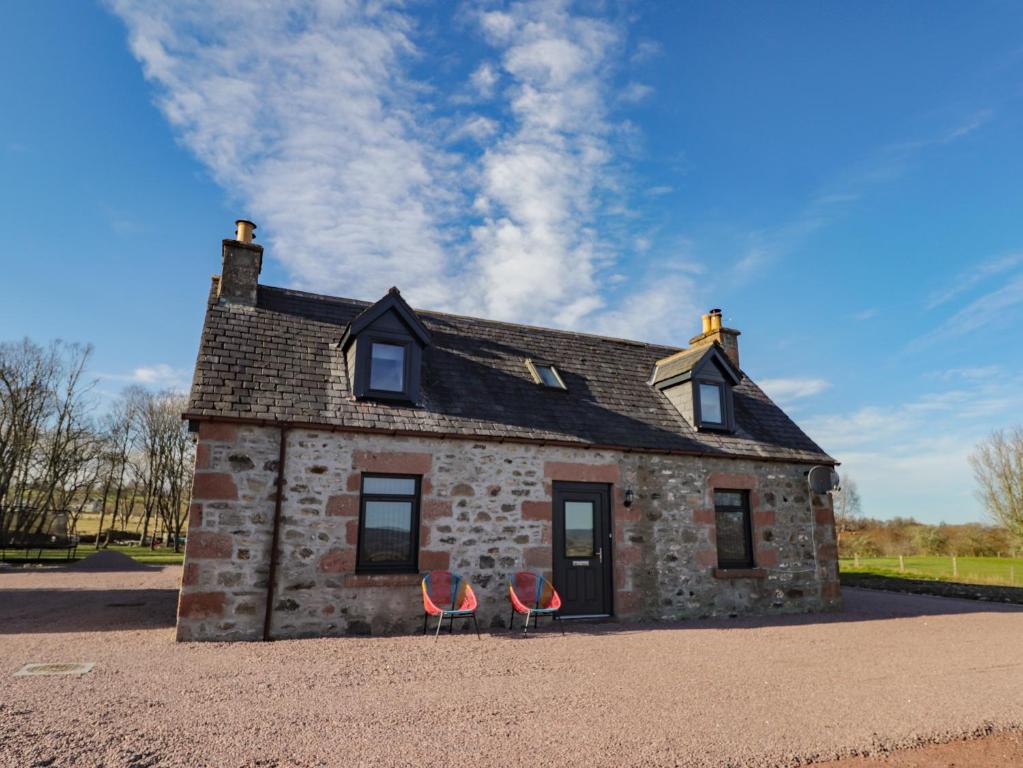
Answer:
(893, 670)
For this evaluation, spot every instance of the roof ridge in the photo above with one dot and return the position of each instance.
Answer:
(505, 323)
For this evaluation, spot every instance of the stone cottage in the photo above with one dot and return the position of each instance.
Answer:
(345, 447)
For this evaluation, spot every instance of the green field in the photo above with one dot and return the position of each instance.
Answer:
(159, 556)
(968, 570)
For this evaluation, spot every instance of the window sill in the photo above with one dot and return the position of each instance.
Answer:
(382, 579)
(740, 573)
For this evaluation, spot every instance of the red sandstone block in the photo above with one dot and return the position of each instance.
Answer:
(434, 508)
(707, 557)
(824, 516)
(703, 516)
(731, 480)
(536, 510)
(767, 558)
(538, 557)
(214, 485)
(338, 561)
(434, 561)
(190, 576)
(217, 432)
(763, 517)
(203, 545)
(195, 516)
(628, 555)
(831, 590)
(402, 462)
(424, 535)
(583, 473)
(827, 551)
(354, 482)
(628, 602)
(343, 506)
(201, 605)
(202, 456)
(352, 532)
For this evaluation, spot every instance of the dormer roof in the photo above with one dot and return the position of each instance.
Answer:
(687, 364)
(391, 302)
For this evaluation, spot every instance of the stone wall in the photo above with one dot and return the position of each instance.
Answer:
(485, 513)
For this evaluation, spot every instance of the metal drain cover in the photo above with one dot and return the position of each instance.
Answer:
(75, 668)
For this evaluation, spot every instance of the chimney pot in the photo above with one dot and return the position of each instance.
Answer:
(244, 231)
(713, 331)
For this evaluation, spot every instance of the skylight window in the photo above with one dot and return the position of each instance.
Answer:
(545, 374)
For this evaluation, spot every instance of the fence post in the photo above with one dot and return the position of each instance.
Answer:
(902, 565)
(955, 567)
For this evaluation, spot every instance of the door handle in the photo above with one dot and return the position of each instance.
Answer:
(600, 554)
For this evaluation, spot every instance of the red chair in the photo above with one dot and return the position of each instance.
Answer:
(448, 596)
(531, 594)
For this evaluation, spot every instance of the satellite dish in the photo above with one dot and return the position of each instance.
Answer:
(822, 479)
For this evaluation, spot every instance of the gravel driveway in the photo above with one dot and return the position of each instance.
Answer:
(892, 670)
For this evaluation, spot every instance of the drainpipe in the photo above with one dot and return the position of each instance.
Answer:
(271, 577)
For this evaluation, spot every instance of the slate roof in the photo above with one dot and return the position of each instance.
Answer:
(280, 362)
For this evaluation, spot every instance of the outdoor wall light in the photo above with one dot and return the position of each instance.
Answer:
(629, 496)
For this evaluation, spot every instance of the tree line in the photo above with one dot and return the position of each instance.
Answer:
(62, 455)
(997, 464)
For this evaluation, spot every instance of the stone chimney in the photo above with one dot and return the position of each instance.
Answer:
(713, 331)
(243, 260)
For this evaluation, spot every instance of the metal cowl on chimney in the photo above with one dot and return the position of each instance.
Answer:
(245, 231)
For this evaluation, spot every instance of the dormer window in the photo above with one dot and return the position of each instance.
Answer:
(545, 374)
(711, 411)
(387, 367)
(383, 350)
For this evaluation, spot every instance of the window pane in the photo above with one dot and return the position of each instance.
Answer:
(547, 376)
(733, 545)
(387, 532)
(390, 486)
(710, 403)
(387, 368)
(578, 529)
(729, 499)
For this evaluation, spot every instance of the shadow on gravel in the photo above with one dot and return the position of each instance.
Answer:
(860, 605)
(46, 611)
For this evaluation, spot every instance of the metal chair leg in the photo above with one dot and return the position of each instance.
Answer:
(477, 626)
(440, 621)
(525, 627)
(561, 625)
(426, 617)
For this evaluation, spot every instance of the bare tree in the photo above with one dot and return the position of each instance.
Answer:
(848, 507)
(997, 465)
(47, 444)
(164, 452)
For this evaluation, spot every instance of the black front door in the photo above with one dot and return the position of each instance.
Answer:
(582, 548)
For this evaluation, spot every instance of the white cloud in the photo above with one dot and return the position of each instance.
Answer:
(156, 376)
(998, 306)
(973, 277)
(866, 314)
(304, 115)
(316, 128)
(788, 389)
(912, 456)
(633, 93)
(483, 79)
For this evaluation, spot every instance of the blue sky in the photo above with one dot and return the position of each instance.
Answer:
(843, 179)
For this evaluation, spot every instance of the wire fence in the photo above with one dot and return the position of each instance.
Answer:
(1007, 571)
